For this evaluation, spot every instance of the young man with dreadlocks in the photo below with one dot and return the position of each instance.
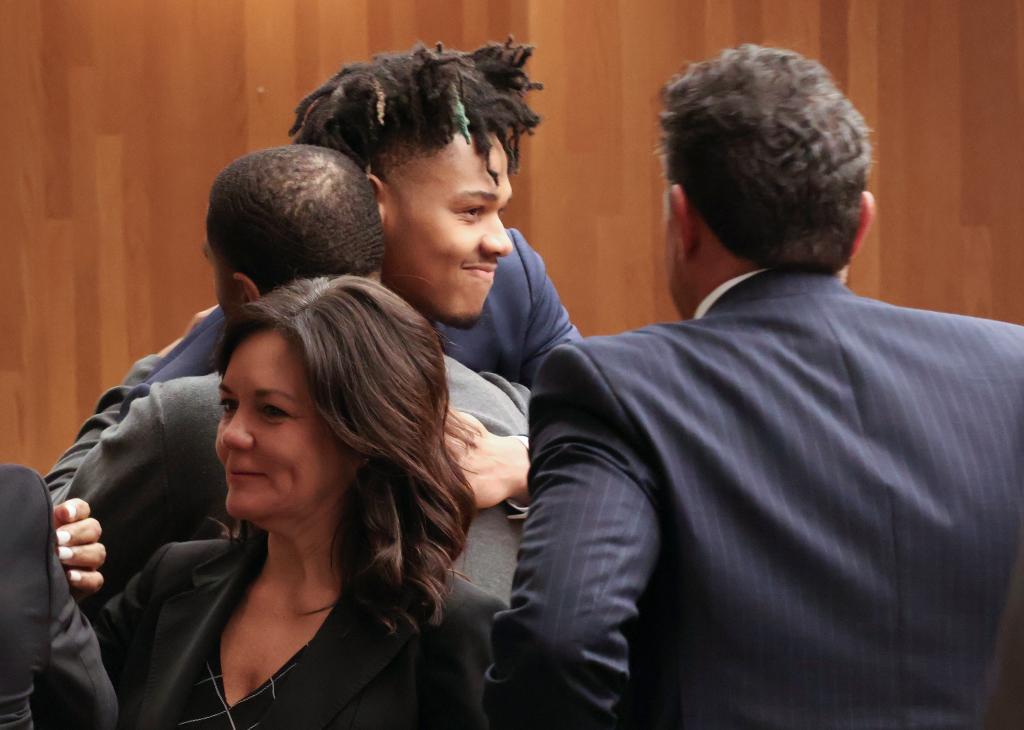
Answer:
(438, 132)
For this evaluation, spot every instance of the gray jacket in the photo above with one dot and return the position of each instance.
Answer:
(154, 477)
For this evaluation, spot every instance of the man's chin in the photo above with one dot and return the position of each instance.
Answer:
(459, 321)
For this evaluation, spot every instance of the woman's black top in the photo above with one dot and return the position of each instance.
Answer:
(207, 707)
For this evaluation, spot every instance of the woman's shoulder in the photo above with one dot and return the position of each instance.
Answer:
(195, 552)
(173, 563)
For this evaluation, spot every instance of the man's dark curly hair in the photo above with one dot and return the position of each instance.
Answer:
(771, 154)
(403, 105)
(295, 211)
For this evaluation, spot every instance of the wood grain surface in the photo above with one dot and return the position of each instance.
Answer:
(118, 114)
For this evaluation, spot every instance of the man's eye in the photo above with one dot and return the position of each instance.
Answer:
(228, 405)
(473, 212)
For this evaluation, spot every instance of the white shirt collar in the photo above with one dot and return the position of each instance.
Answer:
(718, 291)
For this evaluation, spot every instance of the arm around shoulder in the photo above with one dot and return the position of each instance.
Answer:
(106, 414)
(589, 547)
(152, 477)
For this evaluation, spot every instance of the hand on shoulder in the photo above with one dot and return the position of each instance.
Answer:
(79, 547)
(495, 466)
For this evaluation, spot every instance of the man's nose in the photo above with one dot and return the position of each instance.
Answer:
(496, 242)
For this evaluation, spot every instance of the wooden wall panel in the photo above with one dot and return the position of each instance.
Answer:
(119, 114)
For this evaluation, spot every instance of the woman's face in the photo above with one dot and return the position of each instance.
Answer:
(284, 467)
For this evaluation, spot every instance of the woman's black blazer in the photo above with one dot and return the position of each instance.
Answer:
(156, 636)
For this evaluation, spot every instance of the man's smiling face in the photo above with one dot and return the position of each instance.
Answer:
(443, 233)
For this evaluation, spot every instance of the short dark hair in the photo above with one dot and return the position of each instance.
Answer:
(402, 105)
(376, 371)
(294, 211)
(771, 154)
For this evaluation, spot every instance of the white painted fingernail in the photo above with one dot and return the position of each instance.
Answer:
(65, 553)
(63, 537)
(72, 512)
(74, 576)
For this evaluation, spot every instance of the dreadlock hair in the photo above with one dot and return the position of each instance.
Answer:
(403, 105)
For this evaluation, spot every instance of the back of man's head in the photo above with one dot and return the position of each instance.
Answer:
(403, 105)
(771, 154)
(297, 211)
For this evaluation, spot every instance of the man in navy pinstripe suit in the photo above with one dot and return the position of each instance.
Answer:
(797, 508)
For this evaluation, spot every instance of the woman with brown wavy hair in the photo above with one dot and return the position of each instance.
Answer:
(336, 605)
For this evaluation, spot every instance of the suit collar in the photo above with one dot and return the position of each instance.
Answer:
(245, 556)
(348, 651)
(189, 627)
(719, 291)
(774, 284)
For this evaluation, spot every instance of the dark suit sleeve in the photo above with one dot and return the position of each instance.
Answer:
(74, 690)
(1005, 709)
(107, 414)
(549, 324)
(70, 687)
(153, 478)
(455, 656)
(561, 654)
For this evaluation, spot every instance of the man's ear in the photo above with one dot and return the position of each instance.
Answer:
(382, 193)
(867, 216)
(250, 292)
(685, 220)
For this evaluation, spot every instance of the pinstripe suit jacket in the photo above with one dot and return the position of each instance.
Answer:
(800, 511)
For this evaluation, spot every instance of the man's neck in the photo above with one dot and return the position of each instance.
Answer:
(712, 277)
(719, 291)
